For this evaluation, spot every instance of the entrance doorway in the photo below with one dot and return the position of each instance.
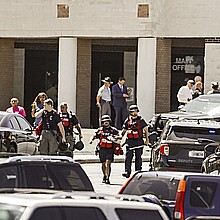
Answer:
(104, 64)
(41, 72)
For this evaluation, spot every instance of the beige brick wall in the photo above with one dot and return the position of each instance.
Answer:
(163, 75)
(6, 72)
(83, 82)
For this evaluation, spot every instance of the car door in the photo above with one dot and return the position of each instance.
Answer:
(28, 136)
(202, 196)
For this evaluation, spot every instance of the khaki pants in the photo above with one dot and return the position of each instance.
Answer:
(48, 144)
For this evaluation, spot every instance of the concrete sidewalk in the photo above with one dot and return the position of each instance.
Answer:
(87, 155)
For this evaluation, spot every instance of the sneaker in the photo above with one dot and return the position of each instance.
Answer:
(104, 179)
(107, 181)
(126, 174)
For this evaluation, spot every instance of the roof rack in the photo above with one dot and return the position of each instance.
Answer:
(40, 158)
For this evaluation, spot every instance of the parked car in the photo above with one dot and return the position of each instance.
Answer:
(44, 172)
(184, 194)
(203, 107)
(35, 205)
(181, 144)
(16, 134)
(211, 164)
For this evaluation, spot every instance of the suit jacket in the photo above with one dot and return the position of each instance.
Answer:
(118, 99)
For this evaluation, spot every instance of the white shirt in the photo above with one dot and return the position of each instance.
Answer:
(184, 94)
(105, 93)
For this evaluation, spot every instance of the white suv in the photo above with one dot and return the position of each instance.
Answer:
(29, 204)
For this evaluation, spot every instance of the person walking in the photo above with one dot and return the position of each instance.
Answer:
(69, 121)
(103, 98)
(15, 108)
(50, 122)
(184, 94)
(106, 145)
(120, 93)
(135, 126)
(37, 105)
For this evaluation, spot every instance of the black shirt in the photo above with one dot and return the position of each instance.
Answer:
(50, 120)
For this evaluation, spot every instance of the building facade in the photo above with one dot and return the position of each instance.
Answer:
(155, 44)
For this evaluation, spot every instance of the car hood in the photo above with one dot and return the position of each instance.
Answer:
(188, 115)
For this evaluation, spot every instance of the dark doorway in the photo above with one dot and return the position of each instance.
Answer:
(41, 70)
(104, 64)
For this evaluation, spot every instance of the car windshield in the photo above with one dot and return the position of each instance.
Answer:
(210, 105)
(11, 212)
(163, 187)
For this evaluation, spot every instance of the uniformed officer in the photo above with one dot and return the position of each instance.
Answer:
(103, 98)
(50, 121)
(69, 121)
(134, 126)
(106, 152)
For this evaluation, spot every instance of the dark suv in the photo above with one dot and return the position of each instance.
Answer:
(184, 194)
(43, 172)
(181, 144)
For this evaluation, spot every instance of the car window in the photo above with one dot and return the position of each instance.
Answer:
(37, 176)
(83, 213)
(23, 123)
(13, 123)
(178, 132)
(11, 212)
(71, 177)
(47, 213)
(9, 177)
(163, 188)
(202, 193)
(140, 214)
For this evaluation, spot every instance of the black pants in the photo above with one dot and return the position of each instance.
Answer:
(138, 160)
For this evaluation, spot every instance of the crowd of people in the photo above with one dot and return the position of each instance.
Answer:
(193, 89)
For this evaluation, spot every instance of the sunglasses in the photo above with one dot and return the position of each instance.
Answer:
(14, 101)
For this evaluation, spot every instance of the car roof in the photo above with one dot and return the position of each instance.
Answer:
(29, 197)
(195, 123)
(172, 174)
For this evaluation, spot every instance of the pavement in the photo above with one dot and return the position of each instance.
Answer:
(87, 155)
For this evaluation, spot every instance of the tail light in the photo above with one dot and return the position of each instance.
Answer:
(124, 185)
(179, 206)
(164, 149)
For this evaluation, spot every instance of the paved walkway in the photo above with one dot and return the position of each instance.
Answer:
(87, 155)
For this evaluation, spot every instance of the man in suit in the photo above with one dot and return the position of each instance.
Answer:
(120, 93)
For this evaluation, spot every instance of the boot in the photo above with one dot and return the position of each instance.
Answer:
(104, 179)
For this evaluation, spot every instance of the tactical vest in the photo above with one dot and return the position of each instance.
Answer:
(67, 122)
(134, 128)
(103, 140)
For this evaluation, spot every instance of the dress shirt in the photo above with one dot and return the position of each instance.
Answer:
(184, 94)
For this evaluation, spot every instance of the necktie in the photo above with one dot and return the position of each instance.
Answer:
(121, 88)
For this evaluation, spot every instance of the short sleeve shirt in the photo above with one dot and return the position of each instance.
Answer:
(105, 93)
(18, 110)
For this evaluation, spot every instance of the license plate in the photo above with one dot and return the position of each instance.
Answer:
(197, 154)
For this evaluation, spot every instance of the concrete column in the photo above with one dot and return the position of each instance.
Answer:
(67, 72)
(146, 77)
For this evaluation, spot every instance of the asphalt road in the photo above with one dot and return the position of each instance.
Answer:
(94, 172)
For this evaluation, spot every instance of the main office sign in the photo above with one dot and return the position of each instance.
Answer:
(187, 63)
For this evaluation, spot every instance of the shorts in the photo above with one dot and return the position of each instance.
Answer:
(106, 154)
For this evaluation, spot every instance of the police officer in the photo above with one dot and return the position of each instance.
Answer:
(69, 121)
(50, 121)
(106, 152)
(134, 126)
